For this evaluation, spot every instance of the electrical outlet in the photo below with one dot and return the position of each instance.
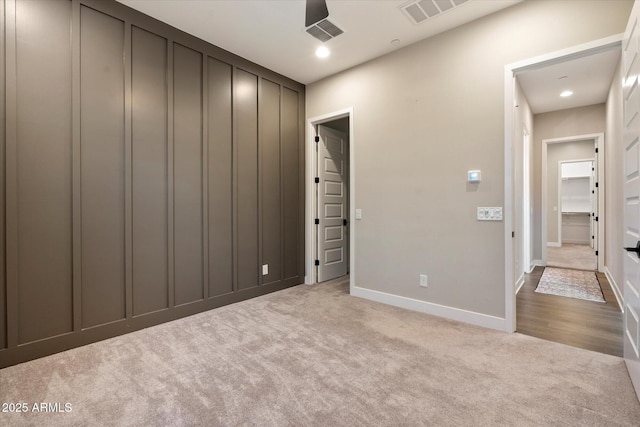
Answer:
(424, 281)
(265, 269)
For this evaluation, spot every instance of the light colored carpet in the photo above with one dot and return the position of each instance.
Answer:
(315, 356)
(570, 283)
(580, 257)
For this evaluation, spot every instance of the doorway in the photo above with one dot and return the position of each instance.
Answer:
(572, 215)
(330, 184)
(608, 48)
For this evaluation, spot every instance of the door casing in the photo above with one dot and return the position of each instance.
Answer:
(311, 160)
(599, 142)
(510, 71)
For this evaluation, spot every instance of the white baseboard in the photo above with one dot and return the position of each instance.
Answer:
(519, 283)
(536, 263)
(554, 244)
(460, 315)
(616, 289)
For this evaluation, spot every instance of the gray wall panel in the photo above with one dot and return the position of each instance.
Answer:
(271, 206)
(246, 100)
(102, 160)
(149, 163)
(187, 92)
(220, 178)
(292, 192)
(3, 301)
(138, 183)
(44, 169)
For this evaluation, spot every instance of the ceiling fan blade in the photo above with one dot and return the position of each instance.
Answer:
(316, 11)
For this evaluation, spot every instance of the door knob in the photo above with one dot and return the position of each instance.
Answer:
(636, 249)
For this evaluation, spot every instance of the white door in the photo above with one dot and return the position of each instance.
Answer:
(631, 100)
(332, 213)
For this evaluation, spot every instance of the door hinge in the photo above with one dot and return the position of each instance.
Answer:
(596, 253)
(317, 262)
(596, 219)
(596, 150)
(513, 234)
(317, 138)
(317, 221)
(593, 237)
(317, 180)
(596, 185)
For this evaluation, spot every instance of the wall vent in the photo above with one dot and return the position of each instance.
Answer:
(324, 30)
(421, 10)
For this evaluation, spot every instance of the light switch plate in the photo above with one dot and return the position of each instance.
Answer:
(358, 213)
(489, 214)
(265, 269)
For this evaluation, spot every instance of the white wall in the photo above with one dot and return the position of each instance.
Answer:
(614, 163)
(423, 116)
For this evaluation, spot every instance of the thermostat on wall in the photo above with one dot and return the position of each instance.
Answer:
(474, 176)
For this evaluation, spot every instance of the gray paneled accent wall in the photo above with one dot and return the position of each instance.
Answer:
(145, 175)
(3, 289)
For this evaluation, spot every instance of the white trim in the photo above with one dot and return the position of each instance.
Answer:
(310, 199)
(520, 283)
(536, 263)
(457, 314)
(554, 245)
(616, 289)
(510, 70)
(508, 211)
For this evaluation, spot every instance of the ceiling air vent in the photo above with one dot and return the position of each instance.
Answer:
(324, 30)
(421, 10)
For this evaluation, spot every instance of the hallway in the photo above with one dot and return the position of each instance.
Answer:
(584, 324)
(579, 257)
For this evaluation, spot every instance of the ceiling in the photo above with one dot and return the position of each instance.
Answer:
(272, 32)
(588, 77)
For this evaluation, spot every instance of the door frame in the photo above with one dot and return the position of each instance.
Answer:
(311, 200)
(559, 201)
(510, 72)
(598, 140)
(527, 261)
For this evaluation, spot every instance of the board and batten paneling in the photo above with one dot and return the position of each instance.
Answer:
(43, 129)
(246, 100)
(187, 152)
(149, 145)
(293, 188)
(146, 175)
(220, 185)
(271, 205)
(3, 289)
(103, 167)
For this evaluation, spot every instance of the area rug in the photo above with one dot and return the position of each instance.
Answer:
(570, 283)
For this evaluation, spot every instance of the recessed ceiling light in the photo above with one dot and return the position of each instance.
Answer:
(566, 93)
(322, 52)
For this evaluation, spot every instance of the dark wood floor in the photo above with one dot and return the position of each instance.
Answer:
(585, 324)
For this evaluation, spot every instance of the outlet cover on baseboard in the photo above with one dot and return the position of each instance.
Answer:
(424, 280)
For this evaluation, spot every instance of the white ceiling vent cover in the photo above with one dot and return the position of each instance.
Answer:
(324, 30)
(421, 10)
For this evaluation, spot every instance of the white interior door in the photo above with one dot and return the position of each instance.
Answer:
(332, 204)
(631, 100)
